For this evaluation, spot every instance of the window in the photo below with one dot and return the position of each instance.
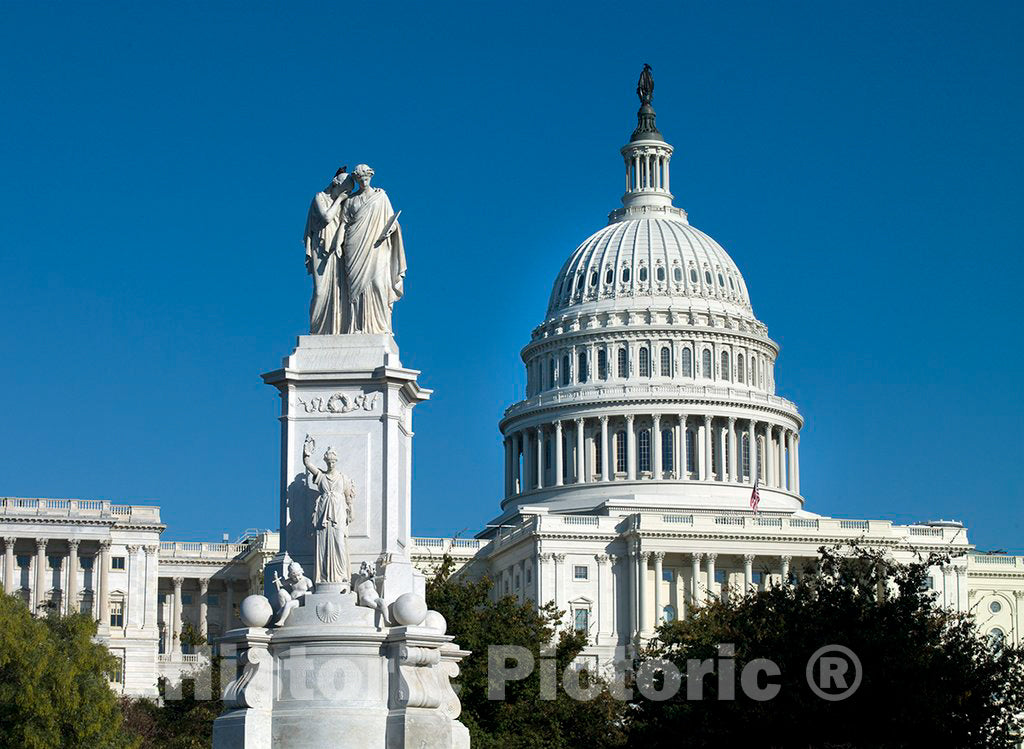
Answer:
(529, 575)
(609, 277)
(597, 455)
(547, 454)
(693, 275)
(23, 560)
(623, 363)
(643, 273)
(117, 563)
(667, 575)
(666, 361)
(580, 572)
(691, 444)
(602, 364)
(660, 272)
(721, 280)
(516, 585)
(161, 599)
(581, 620)
(565, 370)
(625, 274)
(705, 358)
(687, 363)
(995, 607)
(739, 368)
(667, 450)
(677, 274)
(725, 365)
(669, 613)
(996, 638)
(117, 614)
(644, 450)
(620, 452)
(213, 599)
(593, 278)
(54, 562)
(581, 370)
(753, 371)
(645, 362)
(745, 467)
(714, 450)
(731, 286)
(551, 374)
(186, 599)
(86, 562)
(117, 675)
(760, 459)
(707, 277)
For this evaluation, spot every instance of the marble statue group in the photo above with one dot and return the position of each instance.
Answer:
(355, 253)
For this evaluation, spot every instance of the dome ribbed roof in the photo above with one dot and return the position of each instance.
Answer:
(647, 262)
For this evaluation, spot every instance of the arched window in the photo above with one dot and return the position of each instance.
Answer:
(609, 277)
(996, 638)
(707, 277)
(623, 370)
(581, 371)
(547, 454)
(667, 451)
(725, 366)
(706, 363)
(566, 374)
(602, 364)
(693, 275)
(551, 373)
(753, 371)
(620, 452)
(666, 361)
(713, 436)
(645, 362)
(691, 450)
(625, 274)
(687, 362)
(644, 450)
(740, 376)
(677, 274)
(593, 278)
(721, 280)
(660, 272)
(597, 455)
(745, 467)
(643, 273)
(669, 613)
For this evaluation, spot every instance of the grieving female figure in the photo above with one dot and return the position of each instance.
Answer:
(331, 516)
(325, 232)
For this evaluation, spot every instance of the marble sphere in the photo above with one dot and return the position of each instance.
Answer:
(255, 611)
(409, 609)
(436, 621)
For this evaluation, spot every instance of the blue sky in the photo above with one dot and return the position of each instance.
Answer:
(861, 162)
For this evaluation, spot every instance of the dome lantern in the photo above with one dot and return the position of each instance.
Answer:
(647, 155)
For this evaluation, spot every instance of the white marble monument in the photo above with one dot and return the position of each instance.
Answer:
(349, 656)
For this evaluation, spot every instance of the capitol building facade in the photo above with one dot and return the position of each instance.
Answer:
(650, 416)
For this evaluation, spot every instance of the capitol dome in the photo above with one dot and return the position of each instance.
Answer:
(650, 382)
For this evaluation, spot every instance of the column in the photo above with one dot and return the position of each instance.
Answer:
(735, 465)
(71, 593)
(695, 592)
(790, 466)
(103, 560)
(780, 455)
(134, 588)
(229, 607)
(721, 468)
(630, 449)
(176, 620)
(204, 586)
(667, 160)
(785, 568)
(558, 453)
(559, 559)
(712, 591)
(752, 432)
(656, 446)
(659, 557)
(748, 573)
(542, 566)
(613, 601)
(604, 449)
(508, 466)
(517, 448)
(9, 542)
(632, 615)
(602, 601)
(581, 454)
(149, 614)
(706, 467)
(682, 473)
(769, 455)
(796, 462)
(39, 582)
(539, 465)
(643, 602)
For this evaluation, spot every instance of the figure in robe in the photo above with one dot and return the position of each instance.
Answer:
(374, 257)
(325, 232)
(331, 516)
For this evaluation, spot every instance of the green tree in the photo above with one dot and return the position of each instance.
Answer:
(929, 678)
(54, 689)
(523, 720)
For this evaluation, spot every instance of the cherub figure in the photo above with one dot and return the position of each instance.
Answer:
(290, 590)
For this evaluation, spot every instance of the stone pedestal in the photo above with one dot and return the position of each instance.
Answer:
(350, 392)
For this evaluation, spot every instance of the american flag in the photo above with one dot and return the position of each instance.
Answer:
(755, 496)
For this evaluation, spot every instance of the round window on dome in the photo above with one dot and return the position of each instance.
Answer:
(693, 275)
(625, 275)
(707, 277)
(661, 273)
(643, 273)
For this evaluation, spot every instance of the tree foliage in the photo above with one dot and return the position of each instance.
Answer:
(929, 679)
(523, 720)
(54, 689)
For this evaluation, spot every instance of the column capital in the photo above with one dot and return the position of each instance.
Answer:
(579, 420)
(656, 418)
(786, 559)
(707, 419)
(732, 421)
(104, 545)
(204, 585)
(749, 558)
(659, 556)
(613, 559)
(177, 583)
(73, 544)
(9, 541)
(629, 419)
(132, 548)
(602, 559)
(697, 556)
(558, 425)
(151, 549)
(1018, 594)
(41, 544)
(603, 419)
(711, 558)
(559, 558)
(645, 555)
(545, 557)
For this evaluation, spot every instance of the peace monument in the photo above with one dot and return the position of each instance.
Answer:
(329, 656)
